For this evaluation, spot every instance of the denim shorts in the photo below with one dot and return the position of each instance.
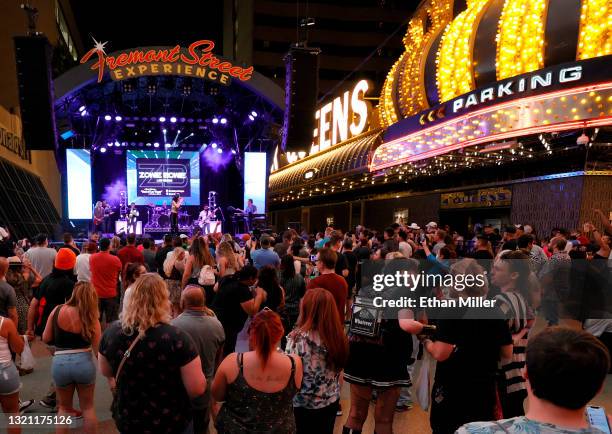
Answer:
(73, 368)
(9, 379)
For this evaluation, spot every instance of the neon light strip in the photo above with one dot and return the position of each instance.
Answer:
(395, 151)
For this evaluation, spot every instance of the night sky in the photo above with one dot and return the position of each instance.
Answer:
(134, 23)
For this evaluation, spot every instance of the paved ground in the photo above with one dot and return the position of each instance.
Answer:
(35, 386)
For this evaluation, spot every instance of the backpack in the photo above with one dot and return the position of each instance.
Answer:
(207, 276)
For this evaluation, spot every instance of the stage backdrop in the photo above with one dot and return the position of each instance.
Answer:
(109, 180)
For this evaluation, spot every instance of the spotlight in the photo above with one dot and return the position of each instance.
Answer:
(164, 131)
(168, 145)
(178, 132)
(173, 119)
(213, 145)
(117, 143)
(148, 144)
(103, 149)
(156, 145)
(220, 151)
(234, 151)
(109, 144)
(254, 113)
(118, 118)
(107, 117)
(215, 121)
(252, 118)
(162, 119)
(84, 113)
(223, 121)
(82, 109)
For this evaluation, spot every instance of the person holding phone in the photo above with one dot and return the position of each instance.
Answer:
(565, 370)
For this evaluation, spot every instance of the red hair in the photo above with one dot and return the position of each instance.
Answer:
(266, 330)
(318, 312)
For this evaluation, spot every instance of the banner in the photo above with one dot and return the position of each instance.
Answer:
(160, 177)
(487, 197)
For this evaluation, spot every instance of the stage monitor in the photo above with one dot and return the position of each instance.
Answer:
(153, 177)
(78, 169)
(255, 179)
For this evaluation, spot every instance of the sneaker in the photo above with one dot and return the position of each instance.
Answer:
(48, 401)
(403, 407)
(24, 405)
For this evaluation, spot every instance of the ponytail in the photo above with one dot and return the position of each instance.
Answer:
(265, 331)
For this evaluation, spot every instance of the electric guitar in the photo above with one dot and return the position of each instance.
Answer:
(98, 220)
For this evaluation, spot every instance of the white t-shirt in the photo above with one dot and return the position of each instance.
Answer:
(81, 269)
(42, 259)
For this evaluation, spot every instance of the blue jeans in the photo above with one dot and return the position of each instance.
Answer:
(74, 368)
(10, 382)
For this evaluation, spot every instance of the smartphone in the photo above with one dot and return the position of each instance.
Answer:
(598, 419)
(313, 258)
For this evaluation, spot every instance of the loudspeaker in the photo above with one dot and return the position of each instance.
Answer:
(301, 92)
(33, 57)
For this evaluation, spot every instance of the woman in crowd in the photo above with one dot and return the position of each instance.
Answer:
(227, 260)
(294, 286)
(22, 277)
(174, 268)
(199, 257)
(467, 350)
(132, 271)
(511, 275)
(320, 342)
(115, 245)
(267, 279)
(161, 364)
(10, 341)
(264, 378)
(74, 330)
(380, 361)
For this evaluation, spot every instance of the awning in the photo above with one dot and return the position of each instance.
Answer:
(346, 158)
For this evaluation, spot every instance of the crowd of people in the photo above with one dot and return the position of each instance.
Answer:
(163, 322)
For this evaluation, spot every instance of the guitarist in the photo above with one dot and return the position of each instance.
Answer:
(98, 217)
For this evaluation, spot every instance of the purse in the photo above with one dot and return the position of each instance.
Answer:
(126, 355)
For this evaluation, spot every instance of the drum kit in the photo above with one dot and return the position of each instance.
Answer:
(159, 217)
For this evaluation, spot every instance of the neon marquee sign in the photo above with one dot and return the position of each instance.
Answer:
(196, 60)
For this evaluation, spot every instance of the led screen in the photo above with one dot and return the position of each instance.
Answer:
(255, 179)
(78, 169)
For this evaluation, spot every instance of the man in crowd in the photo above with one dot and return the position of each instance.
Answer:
(282, 248)
(82, 268)
(41, 257)
(329, 280)
(130, 253)
(555, 279)
(390, 243)
(266, 255)
(234, 303)
(509, 240)
(526, 242)
(565, 369)
(105, 270)
(200, 323)
(55, 289)
(70, 244)
(404, 247)
(160, 257)
(438, 239)
(8, 301)
(148, 253)
(335, 243)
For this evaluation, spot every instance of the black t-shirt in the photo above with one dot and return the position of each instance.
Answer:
(478, 343)
(160, 257)
(510, 245)
(351, 260)
(227, 304)
(55, 289)
(341, 263)
(151, 397)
